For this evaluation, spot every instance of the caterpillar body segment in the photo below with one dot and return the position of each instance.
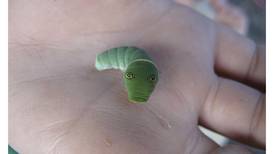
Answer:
(119, 58)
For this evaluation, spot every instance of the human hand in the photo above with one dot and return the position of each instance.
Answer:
(59, 103)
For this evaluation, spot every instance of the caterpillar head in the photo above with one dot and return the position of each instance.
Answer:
(140, 79)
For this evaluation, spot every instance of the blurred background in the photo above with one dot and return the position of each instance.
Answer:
(246, 17)
(255, 12)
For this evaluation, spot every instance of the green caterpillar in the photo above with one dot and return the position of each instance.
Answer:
(140, 74)
(12, 151)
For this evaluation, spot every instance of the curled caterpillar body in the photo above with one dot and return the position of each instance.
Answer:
(140, 74)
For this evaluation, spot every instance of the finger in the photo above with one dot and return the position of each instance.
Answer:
(230, 15)
(232, 149)
(239, 58)
(236, 111)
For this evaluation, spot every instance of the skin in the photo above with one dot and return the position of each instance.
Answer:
(59, 103)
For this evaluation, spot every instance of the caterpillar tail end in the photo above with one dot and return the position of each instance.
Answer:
(98, 66)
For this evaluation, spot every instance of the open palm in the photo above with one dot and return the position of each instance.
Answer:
(59, 103)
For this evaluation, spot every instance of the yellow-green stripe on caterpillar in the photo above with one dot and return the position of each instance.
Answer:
(140, 74)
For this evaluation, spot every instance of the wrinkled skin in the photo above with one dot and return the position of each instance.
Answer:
(59, 103)
(140, 80)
